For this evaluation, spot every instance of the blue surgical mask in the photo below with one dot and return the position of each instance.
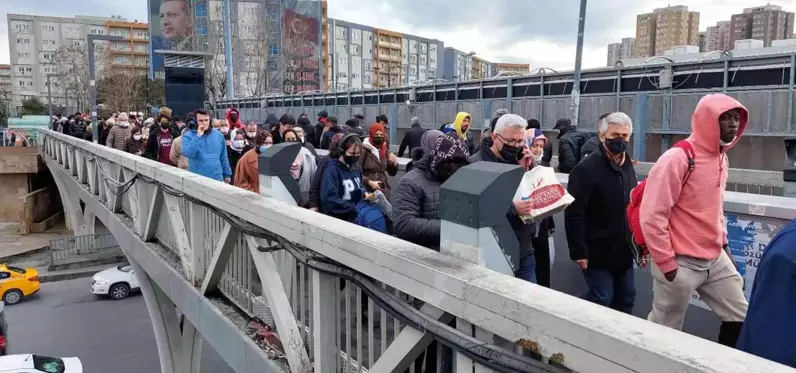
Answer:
(264, 147)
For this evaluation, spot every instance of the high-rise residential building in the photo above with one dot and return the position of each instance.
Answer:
(520, 68)
(620, 51)
(366, 57)
(462, 66)
(5, 86)
(766, 23)
(132, 54)
(664, 29)
(719, 37)
(34, 42)
(326, 62)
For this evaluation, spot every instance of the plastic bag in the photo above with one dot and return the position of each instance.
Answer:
(548, 196)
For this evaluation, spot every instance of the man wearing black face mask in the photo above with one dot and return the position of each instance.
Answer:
(598, 234)
(508, 146)
(416, 207)
(161, 138)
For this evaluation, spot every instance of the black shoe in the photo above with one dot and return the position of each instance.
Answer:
(729, 333)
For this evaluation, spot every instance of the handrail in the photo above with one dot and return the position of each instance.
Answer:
(590, 338)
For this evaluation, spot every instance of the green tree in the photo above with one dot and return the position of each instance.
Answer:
(33, 106)
(4, 114)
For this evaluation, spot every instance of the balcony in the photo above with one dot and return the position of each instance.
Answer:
(384, 43)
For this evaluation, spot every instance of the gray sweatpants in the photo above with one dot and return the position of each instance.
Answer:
(716, 281)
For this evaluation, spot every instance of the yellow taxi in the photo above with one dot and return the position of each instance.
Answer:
(16, 283)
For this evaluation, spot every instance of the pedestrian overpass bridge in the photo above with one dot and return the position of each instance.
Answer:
(210, 257)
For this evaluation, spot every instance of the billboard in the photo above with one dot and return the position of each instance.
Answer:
(171, 27)
(301, 45)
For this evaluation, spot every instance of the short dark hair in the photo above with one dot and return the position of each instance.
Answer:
(303, 121)
(287, 119)
(176, 119)
(382, 118)
(352, 123)
(563, 123)
(359, 116)
(534, 123)
(332, 120)
(202, 112)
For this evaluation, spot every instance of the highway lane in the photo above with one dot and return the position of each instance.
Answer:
(64, 319)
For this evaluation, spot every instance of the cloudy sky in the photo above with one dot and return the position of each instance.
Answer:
(539, 32)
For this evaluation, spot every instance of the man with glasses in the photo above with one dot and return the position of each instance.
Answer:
(508, 146)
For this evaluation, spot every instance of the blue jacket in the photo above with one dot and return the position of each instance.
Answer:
(770, 327)
(341, 190)
(371, 216)
(207, 155)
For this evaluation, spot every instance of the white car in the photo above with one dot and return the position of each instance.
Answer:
(116, 282)
(31, 363)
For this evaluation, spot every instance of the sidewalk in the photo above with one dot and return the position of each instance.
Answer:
(12, 245)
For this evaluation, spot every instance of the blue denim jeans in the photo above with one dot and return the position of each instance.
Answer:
(527, 270)
(611, 288)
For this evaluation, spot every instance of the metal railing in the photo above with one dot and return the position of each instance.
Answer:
(62, 249)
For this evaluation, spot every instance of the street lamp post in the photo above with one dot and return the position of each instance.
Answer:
(574, 106)
(92, 83)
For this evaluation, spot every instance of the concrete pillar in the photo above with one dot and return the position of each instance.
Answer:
(473, 206)
(789, 171)
(274, 168)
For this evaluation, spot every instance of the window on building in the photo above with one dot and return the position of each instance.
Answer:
(273, 50)
(201, 10)
(201, 29)
(47, 28)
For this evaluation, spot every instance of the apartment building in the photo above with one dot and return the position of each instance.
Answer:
(325, 48)
(620, 51)
(5, 84)
(766, 23)
(461, 66)
(519, 68)
(132, 54)
(664, 29)
(33, 42)
(365, 57)
(719, 37)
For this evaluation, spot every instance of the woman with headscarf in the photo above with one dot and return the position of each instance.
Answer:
(427, 142)
(541, 242)
(246, 172)
(416, 208)
(235, 150)
(376, 160)
(303, 167)
(135, 143)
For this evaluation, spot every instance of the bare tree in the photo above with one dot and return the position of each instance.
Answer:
(216, 68)
(72, 63)
(122, 91)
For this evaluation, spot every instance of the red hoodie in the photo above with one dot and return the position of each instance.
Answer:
(234, 124)
(689, 219)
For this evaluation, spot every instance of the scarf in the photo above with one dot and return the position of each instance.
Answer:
(429, 140)
(295, 167)
(375, 127)
(448, 147)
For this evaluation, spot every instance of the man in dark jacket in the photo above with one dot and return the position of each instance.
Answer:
(78, 128)
(416, 207)
(412, 137)
(593, 143)
(570, 142)
(355, 126)
(508, 146)
(547, 155)
(161, 136)
(323, 121)
(485, 135)
(286, 122)
(334, 128)
(597, 231)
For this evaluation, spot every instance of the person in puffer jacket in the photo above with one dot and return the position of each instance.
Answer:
(119, 133)
(342, 187)
(416, 208)
(206, 149)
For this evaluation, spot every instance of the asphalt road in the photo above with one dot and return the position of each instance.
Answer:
(64, 319)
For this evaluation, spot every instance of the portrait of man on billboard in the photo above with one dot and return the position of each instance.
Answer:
(176, 23)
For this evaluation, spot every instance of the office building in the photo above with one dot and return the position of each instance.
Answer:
(34, 42)
(766, 23)
(462, 66)
(620, 51)
(719, 37)
(367, 57)
(131, 55)
(664, 29)
(519, 68)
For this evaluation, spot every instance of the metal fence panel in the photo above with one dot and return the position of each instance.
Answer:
(74, 247)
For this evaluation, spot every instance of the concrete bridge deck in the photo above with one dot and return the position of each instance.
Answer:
(202, 249)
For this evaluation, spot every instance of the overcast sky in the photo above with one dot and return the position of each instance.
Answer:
(539, 32)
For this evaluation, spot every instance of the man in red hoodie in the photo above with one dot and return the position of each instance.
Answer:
(683, 222)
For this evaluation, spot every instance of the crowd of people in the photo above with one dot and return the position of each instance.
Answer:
(681, 216)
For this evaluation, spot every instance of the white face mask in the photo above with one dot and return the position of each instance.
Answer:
(537, 158)
(123, 124)
(238, 144)
(251, 134)
(136, 137)
(224, 130)
(722, 143)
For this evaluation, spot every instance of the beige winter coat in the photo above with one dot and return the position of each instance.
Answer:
(175, 155)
